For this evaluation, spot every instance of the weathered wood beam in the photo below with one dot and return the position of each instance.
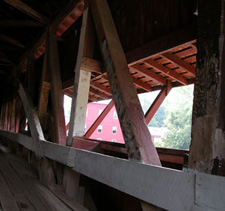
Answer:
(2, 116)
(180, 63)
(20, 5)
(145, 182)
(171, 73)
(31, 114)
(157, 102)
(141, 85)
(163, 44)
(44, 93)
(13, 116)
(18, 114)
(9, 114)
(11, 41)
(80, 89)
(56, 91)
(5, 126)
(137, 82)
(43, 104)
(91, 65)
(98, 93)
(19, 23)
(150, 74)
(100, 118)
(135, 131)
(207, 152)
(71, 11)
(102, 88)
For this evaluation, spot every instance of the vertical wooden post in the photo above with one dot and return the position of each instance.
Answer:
(207, 152)
(56, 91)
(18, 114)
(135, 131)
(44, 93)
(9, 114)
(6, 116)
(2, 115)
(81, 89)
(13, 115)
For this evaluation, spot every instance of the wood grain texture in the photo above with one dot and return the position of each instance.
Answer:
(135, 131)
(147, 182)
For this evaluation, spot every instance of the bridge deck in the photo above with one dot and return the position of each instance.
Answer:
(20, 188)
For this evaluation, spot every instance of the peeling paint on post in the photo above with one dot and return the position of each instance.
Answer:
(208, 139)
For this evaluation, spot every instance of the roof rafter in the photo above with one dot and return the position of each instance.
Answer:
(98, 93)
(18, 4)
(101, 87)
(11, 40)
(19, 23)
(72, 11)
(149, 74)
(167, 71)
(163, 44)
(179, 62)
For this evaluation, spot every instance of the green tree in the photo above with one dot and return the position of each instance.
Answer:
(178, 118)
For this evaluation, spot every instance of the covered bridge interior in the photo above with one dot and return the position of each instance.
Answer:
(109, 49)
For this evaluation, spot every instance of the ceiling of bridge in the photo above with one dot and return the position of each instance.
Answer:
(158, 40)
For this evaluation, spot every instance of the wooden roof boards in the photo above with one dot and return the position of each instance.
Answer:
(157, 40)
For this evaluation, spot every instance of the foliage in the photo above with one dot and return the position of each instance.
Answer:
(178, 118)
(174, 114)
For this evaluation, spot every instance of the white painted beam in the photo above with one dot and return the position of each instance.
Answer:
(166, 188)
(80, 90)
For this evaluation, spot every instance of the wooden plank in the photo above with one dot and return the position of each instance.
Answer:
(2, 116)
(102, 168)
(157, 102)
(138, 141)
(43, 104)
(72, 204)
(11, 41)
(102, 88)
(147, 182)
(207, 194)
(31, 114)
(166, 43)
(150, 74)
(91, 65)
(71, 181)
(28, 178)
(141, 85)
(15, 184)
(44, 93)
(53, 202)
(9, 114)
(20, 5)
(6, 116)
(181, 63)
(19, 23)
(81, 143)
(80, 90)
(56, 91)
(13, 115)
(7, 200)
(171, 73)
(99, 119)
(18, 113)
